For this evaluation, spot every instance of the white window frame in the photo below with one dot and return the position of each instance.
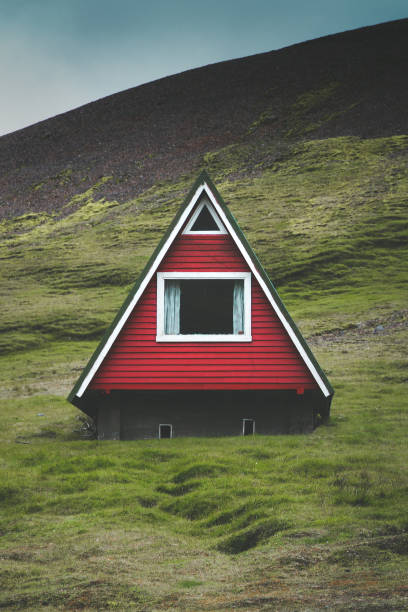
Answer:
(163, 337)
(243, 426)
(221, 229)
(165, 425)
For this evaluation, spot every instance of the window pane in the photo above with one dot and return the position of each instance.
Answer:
(205, 222)
(172, 307)
(249, 427)
(206, 306)
(238, 308)
(164, 431)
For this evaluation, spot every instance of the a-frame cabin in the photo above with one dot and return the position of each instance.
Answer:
(203, 345)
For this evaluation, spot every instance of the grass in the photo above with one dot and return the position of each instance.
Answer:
(156, 524)
(284, 522)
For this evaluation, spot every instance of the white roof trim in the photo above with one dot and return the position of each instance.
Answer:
(155, 265)
(270, 297)
(139, 292)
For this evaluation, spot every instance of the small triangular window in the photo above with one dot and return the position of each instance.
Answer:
(205, 221)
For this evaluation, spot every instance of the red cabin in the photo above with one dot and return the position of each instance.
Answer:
(203, 345)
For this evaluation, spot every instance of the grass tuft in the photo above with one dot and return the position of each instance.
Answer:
(192, 507)
(78, 464)
(9, 494)
(178, 490)
(199, 470)
(252, 536)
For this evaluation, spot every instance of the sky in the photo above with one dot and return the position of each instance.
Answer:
(56, 55)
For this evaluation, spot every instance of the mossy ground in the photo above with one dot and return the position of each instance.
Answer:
(284, 522)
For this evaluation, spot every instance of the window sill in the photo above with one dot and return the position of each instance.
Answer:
(204, 338)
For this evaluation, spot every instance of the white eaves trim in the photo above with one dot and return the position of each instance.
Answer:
(155, 265)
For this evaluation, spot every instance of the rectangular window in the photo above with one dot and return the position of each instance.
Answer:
(206, 306)
(248, 427)
(165, 431)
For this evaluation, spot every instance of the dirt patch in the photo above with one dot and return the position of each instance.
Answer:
(397, 544)
(358, 332)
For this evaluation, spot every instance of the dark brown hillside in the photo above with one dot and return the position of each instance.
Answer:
(352, 83)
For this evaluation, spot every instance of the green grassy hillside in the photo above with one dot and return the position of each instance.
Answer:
(328, 217)
(309, 148)
(283, 522)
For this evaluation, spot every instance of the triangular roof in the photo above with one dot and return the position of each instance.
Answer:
(203, 185)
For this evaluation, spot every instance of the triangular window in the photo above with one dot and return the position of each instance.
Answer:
(205, 220)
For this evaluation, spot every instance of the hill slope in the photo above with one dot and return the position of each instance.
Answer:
(351, 84)
(309, 147)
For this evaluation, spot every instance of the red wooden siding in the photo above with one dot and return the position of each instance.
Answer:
(137, 361)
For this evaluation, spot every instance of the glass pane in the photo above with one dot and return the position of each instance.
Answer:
(206, 306)
(205, 222)
(249, 426)
(239, 309)
(172, 307)
(165, 431)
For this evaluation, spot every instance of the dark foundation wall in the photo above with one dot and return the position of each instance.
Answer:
(135, 415)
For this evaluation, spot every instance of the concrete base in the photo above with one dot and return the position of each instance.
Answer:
(136, 415)
(108, 422)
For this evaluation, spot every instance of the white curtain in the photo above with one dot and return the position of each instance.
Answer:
(238, 310)
(172, 307)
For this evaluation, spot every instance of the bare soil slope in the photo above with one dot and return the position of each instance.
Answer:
(347, 84)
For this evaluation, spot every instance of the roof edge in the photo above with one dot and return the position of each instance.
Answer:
(202, 178)
(256, 262)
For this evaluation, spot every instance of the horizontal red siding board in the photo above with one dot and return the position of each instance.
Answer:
(185, 376)
(203, 386)
(210, 369)
(232, 358)
(138, 361)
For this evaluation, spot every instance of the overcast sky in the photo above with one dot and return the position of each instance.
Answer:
(56, 55)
